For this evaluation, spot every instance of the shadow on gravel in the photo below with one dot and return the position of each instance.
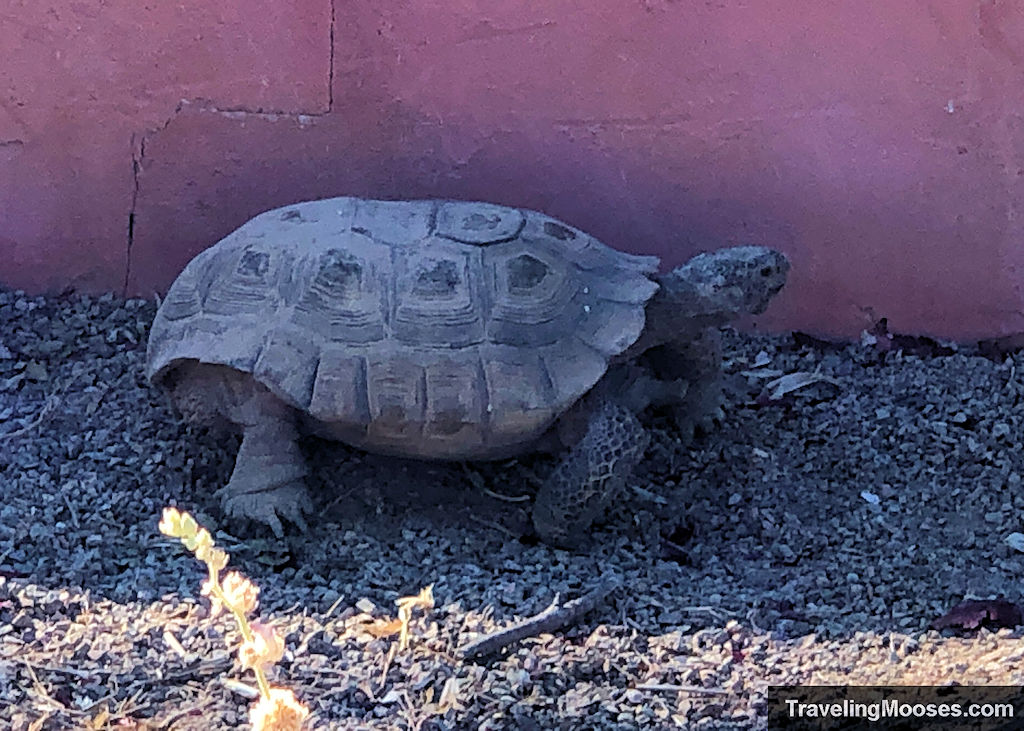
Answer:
(812, 538)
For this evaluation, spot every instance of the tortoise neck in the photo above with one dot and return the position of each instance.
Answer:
(687, 305)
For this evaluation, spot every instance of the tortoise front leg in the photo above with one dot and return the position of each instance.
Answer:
(701, 362)
(590, 476)
(694, 363)
(268, 481)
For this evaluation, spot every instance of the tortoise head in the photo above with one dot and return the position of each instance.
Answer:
(729, 282)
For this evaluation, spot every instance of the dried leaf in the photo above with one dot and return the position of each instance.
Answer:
(449, 696)
(777, 389)
(973, 613)
(878, 336)
(101, 718)
(884, 340)
(921, 345)
(383, 627)
(424, 600)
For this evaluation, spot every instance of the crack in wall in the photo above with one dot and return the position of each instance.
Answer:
(138, 153)
(136, 164)
(330, 62)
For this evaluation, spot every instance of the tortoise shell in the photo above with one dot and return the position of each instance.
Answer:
(440, 329)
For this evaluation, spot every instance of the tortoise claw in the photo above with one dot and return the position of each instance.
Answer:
(289, 501)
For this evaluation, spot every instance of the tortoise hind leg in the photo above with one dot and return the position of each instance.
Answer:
(590, 476)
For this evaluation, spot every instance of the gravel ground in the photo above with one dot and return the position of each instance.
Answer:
(811, 539)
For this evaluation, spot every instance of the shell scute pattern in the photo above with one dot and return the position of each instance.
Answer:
(522, 398)
(439, 297)
(478, 223)
(456, 401)
(428, 328)
(396, 223)
(288, 364)
(532, 291)
(396, 395)
(346, 298)
(246, 281)
(339, 389)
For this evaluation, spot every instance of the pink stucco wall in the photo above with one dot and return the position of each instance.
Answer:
(880, 144)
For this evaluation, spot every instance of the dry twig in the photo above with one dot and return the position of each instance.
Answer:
(48, 406)
(495, 525)
(557, 615)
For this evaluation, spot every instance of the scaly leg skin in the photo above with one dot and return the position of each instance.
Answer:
(701, 361)
(268, 482)
(590, 476)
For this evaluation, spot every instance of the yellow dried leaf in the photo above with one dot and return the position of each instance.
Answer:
(101, 718)
(383, 627)
(423, 600)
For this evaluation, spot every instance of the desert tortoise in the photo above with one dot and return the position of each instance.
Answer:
(442, 330)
